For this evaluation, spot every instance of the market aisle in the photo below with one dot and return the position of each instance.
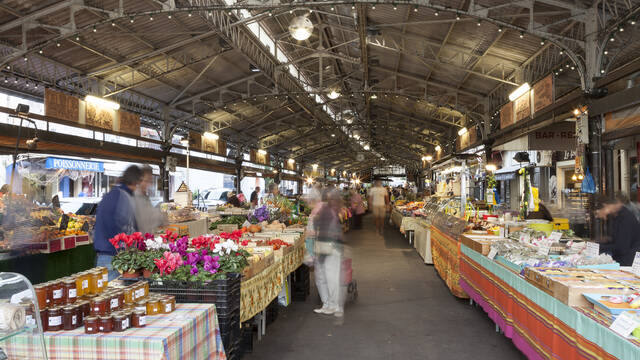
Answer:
(404, 311)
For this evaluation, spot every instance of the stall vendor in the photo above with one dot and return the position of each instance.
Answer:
(623, 220)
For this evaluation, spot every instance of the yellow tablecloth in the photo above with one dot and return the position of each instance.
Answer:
(257, 292)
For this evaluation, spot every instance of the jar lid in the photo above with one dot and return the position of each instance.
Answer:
(106, 317)
(119, 316)
(54, 308)
(69, 308)
(71, 281)
(91, 318)
(139, 312)
(142, 302)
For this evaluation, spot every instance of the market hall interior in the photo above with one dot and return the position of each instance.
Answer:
(403, 311)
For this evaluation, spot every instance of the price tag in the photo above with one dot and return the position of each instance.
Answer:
(524, 238)
(503, 232)
(635, 268)
(624, 324)
(492, 253)
(592, 249)
(544, 247)
(555, 236)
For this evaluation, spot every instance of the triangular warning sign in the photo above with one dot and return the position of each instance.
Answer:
(183, 188)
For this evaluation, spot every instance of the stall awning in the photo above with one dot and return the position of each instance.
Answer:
(73, 164)
(507, 173)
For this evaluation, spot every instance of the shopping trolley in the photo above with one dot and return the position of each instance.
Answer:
(349, 284)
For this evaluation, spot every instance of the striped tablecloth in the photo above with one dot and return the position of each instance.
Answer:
(190, 332)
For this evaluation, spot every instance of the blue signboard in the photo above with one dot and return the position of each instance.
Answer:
(74, 164)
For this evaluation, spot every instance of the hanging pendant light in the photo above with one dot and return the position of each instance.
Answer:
(301, 28)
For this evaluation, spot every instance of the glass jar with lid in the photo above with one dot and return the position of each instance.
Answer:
(105, 324)
(129, 292)
(153, 306)
(139, 319)
(70, 290)
(69, 318)
(54, 317)
(167, 304)
(44, 319)
(105, 275)
(141, 306)
(29, 312)
(41, 295)
(98, 305)
(91, 325)
(120, 322)
(94, 287)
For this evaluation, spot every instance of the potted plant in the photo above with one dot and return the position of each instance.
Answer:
(128, 256)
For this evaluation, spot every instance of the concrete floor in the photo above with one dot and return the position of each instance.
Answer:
(404, 311)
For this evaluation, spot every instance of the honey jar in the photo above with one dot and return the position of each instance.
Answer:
(41, 294)
(70, 290)
(91, 325)
(167, 304)
(153, 306)
(54, 317)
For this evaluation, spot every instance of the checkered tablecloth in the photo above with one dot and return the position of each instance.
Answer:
(190, 332)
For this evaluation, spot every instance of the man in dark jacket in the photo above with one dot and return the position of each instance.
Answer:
(115, 215)
(623, 220)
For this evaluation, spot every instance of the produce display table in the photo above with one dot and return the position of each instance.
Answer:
(396, 217)
(446, 259)
(190, 332)
(422, 241)
(257, 292)
(540, 326)
(192, 228)
(39, 268)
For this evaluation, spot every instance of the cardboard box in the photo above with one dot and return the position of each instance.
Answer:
(82, 240)
(568, 284)
(51, 246)
(479, 243)
(258, 267)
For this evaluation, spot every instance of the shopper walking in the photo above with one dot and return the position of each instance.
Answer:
(328, 254)
(115, 215)
(378, 200)
(148, 217)
(623, 220)
(357, 208)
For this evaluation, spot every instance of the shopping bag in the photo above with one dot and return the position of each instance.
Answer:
(588, 185)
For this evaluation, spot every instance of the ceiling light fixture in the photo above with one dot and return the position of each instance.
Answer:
(395, 7)
(519, 91)
(479, 22)
(490, 167)
(315, 167)
(500, 28)
(457, 16)
(462, 131)
(291, 161)
(438, 148)
(374, 96)
(436, 13)
(415, 9)
(366, 147)
(130, 19)
(301, 28)
(333, 94)
(262, 152)
(521, 34)
(150, 18)
(102, 102)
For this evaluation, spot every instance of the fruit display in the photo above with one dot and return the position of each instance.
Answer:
(177, 214)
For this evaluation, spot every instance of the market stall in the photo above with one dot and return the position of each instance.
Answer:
(190, 332)
(539, 324)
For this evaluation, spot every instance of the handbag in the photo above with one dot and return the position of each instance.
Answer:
(323, 248)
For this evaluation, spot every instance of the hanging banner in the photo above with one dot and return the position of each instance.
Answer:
(129, 123)
(622, 119)
(558, 137)
(257, 158)
(506, 115)
(61, 106)
(73, 164)
(216, 146)
(99, 116)
(288, 165)
(543, 94)
(522, 106)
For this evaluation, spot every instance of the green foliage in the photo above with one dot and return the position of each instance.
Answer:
(147, 257)
(128, 260)
(235, 219)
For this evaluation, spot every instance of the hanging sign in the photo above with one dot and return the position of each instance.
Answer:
(557, 137)
(73, 164)
(543, 93)
(582, 129)
(506, 115)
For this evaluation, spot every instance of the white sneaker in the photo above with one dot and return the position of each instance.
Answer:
(325, 310)
(338, 313)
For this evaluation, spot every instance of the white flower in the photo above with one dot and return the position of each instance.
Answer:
(156, 244)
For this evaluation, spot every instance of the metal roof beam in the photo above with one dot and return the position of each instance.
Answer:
(217, 88)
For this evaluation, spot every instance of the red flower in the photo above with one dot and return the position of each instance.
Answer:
(114, 241)
(244, 242)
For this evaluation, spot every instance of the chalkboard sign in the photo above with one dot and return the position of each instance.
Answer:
(64, 222)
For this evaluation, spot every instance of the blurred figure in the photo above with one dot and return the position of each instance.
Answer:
(4, 189)
(357, 207)
(314, 201)
(254, 196)
(543, 213)
(234, 200)
(378, 201)
(623, 223)
(328, 253)
(115, 215)
(148, 217)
